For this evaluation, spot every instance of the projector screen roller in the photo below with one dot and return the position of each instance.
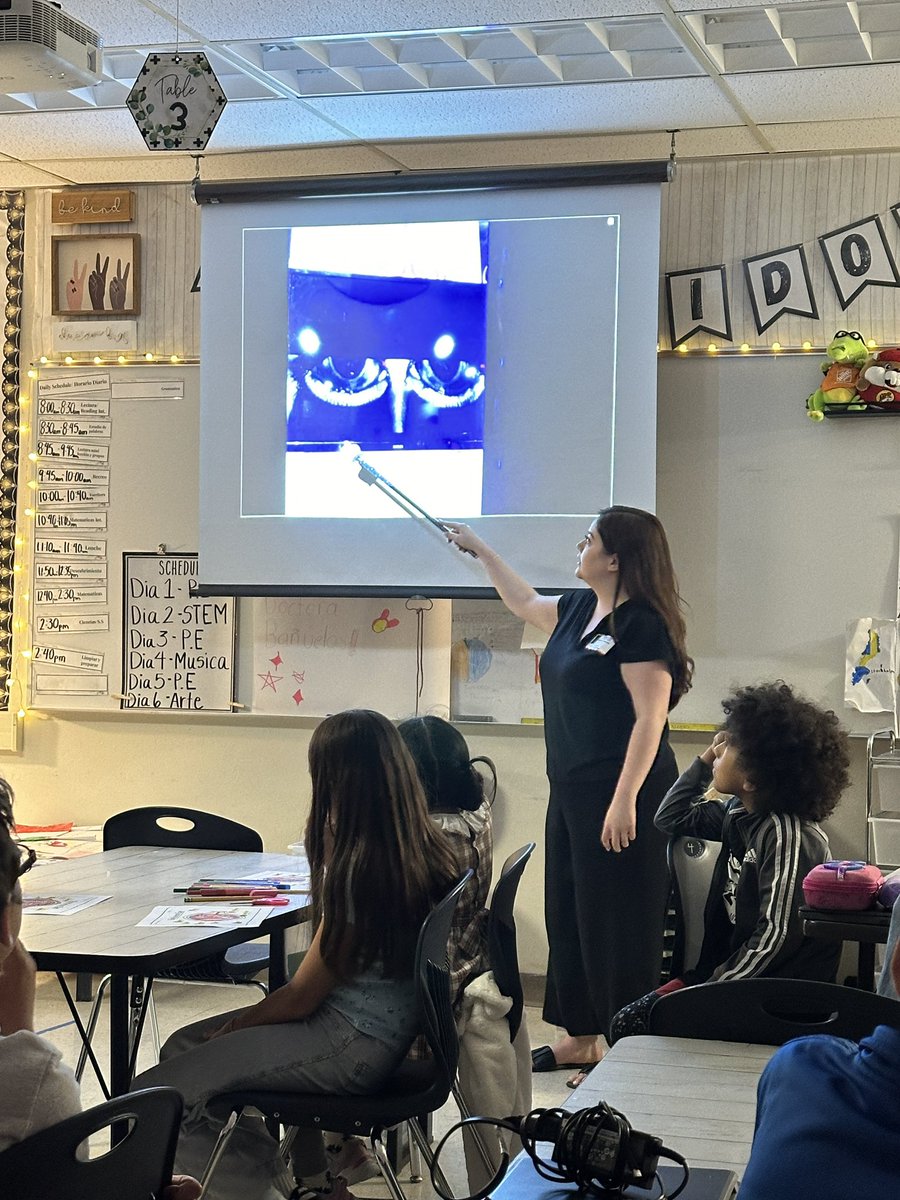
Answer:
(375, 365)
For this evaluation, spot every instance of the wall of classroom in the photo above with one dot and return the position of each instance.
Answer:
(253, 767)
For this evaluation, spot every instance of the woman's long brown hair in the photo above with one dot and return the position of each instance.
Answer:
(646, 573)
(378, 862)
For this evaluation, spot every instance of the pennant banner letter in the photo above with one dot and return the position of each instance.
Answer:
(779, 282)
(698, 300)
(858, 255)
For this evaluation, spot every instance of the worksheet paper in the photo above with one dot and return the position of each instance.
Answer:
(201, 916)
(58, 904)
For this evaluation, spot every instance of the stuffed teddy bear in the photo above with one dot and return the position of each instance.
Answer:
(878, 385)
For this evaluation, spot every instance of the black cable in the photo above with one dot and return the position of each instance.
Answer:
(594, 1148)
(681, 1161)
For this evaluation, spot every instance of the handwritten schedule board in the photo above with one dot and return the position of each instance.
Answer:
(177, 648)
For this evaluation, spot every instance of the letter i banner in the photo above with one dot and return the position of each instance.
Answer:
(697, 300)
(778, 283)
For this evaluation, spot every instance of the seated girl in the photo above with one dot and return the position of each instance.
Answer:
(455, 794)
(37, 1090)
(348, 1016)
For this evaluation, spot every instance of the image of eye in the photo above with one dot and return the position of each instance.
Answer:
(446, 384)
(349, 383)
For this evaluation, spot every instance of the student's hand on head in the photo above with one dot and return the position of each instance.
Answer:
(17, 984)
(709, 753)
(182, 1187)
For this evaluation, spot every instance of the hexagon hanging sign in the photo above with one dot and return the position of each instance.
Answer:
(176, 101)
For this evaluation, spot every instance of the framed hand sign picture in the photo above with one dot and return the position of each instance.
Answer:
(96, 275)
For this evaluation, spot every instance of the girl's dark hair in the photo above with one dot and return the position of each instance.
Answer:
(646, 573)
(449, 776)
(388, 864)
(794, 753)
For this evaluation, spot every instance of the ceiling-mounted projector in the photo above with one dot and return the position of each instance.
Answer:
(43, 50)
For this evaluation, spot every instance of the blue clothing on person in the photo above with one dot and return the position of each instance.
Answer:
(827, 1120)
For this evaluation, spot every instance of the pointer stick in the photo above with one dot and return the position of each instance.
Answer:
(369, 475)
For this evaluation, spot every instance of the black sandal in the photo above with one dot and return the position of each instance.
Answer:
(543, 1059)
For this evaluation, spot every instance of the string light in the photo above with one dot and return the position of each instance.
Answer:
(122, 360)
(776, 347)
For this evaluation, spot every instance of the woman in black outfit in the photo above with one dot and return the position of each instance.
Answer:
(614, 666)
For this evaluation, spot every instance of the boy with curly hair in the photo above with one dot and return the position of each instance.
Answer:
(782, 761)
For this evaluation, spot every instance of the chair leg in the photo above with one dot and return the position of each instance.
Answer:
(415, 1158)
(91, 1025)
(422, 1142)
(154, 1026)
(384, 1165)
(218, 1150)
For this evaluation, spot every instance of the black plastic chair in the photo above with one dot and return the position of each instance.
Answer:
(46, 1165)
(770, 1012)
(416, 1088)
(691, 863)
(503, 953)
(206, 831)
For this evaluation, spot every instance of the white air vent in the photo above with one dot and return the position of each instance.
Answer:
(43, 50)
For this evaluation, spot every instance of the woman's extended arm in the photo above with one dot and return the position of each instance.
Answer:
(649, 685)
(298, 999)
(516, 593)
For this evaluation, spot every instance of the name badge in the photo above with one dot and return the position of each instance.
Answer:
(601, 644)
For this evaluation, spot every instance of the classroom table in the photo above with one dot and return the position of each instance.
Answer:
(105, 939)
(699, 1097)
(868, 929)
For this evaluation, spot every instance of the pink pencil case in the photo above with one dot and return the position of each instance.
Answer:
(851, 885)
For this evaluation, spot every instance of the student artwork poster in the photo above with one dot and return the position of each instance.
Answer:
(310, 654)
(495, 668)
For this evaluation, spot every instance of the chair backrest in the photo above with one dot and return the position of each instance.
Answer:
(46, 1166)
(691, 863)
(771, 1011)
(503, 952)
(433, 982)
(140, 827)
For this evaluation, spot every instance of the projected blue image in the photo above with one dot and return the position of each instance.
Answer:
(389, 361)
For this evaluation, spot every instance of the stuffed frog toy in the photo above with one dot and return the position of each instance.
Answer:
(846, 354)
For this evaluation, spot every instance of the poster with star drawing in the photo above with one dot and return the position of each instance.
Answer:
(312, 656)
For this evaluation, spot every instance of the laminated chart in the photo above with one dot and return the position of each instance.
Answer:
(70, 583)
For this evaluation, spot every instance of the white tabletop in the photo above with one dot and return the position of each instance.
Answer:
(107, 937)
(699, 1097)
